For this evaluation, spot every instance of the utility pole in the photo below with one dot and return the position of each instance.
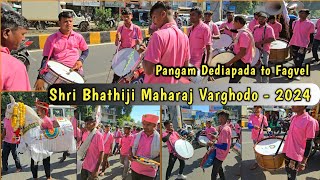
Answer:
(216, 8)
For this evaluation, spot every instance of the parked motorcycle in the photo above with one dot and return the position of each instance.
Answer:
(22, 53)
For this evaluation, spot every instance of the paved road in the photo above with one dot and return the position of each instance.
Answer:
(115, 170)
(61, 171)
(97, 67)
(311, 173)
(231, 165)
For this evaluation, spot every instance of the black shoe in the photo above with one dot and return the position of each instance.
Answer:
(62, 160)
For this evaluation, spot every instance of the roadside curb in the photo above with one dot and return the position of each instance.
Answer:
(90, 37)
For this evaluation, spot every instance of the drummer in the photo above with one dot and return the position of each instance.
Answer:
(244, 47)
(64, 47)
(298, 143)
(210, 131)
(213, 27)
(170, 136)
(228, 25)
(42, 111)
(168, 46)
(124, 147)
(256, 123)
(263, 35)
(128, 35)
(199, 38)
(254, 21)
(222, 145)
(276, 26)
(14, 76)
(146, 144)
(302, 38)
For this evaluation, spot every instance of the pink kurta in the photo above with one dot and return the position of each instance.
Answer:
(94, 150)
(224, 137)
(256, 121)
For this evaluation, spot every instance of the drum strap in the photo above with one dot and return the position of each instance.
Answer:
(155, 145)
(45, 69)
(108, 135)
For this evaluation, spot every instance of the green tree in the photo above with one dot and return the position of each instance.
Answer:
(101, 15)
(124, 119)
(242, 7)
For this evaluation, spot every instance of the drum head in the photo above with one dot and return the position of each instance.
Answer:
(269, 146)
(221, 57)
(124, 61)
(256, 57)
(64, 72)
(279, 44)
(203, 139)
(224, 41)
(183, 148)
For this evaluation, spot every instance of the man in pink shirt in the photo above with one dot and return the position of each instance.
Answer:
(128, 35)
(14, 76)
(302, 38)
(215, 33)
(199, 38)
(42, 110)
(107, 142)
(117, 135)
(254, 21)
(63, 47)
(210, 131)
(263, 36)
(298, 143)
(316, 42)
(222, 145)
(170, 136)
(10, 143)
(243, 48)
(228, 25)
(256, 123)
(94, 155)
(146, 144)
(124, 147)
(134, 130)
(168, 46)
(238, 130)
(276, 26)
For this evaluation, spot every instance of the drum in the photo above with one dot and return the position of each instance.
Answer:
(224, 41)
(256, 57)
(237, 149)
(146, 161)
(279, 51)
(203, 140)
(61, 74)
(137, 77)
(183, 149)
(220, 56)
(124, 61)
(265, 151)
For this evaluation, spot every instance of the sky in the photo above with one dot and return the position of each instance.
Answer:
(138, 111)
(202, 108)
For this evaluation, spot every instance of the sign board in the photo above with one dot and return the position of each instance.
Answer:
(91, 4)
(114, 4)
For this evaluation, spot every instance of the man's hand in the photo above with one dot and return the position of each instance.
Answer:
(130, 158)
(94, 174)
(118, 36)
(210, 143)
(39, 85)
(77, 65)
(228, 64)
(256, 127)
(301, 167)
(142, 49)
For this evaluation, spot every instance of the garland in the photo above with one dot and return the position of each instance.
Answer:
(18, 118)
(30, 126)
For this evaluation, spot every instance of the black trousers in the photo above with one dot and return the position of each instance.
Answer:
(238, 64)
(217, 169)
(172, 160)
(298, 58)
(115, 148)
(116, 78)
(6, 148)
(46, 165)
(136, 176)
(292, 174)
(315, 48)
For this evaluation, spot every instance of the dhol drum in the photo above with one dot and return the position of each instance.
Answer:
(203, 140)
(224, 41)
(124, 60)
(61, 74)
(256, 57)
(137, 77)
(265, 151)
(220, 56)
(279, 51)
(183, 149)
(237, 149)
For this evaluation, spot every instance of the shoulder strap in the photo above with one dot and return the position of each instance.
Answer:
(45, 69)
